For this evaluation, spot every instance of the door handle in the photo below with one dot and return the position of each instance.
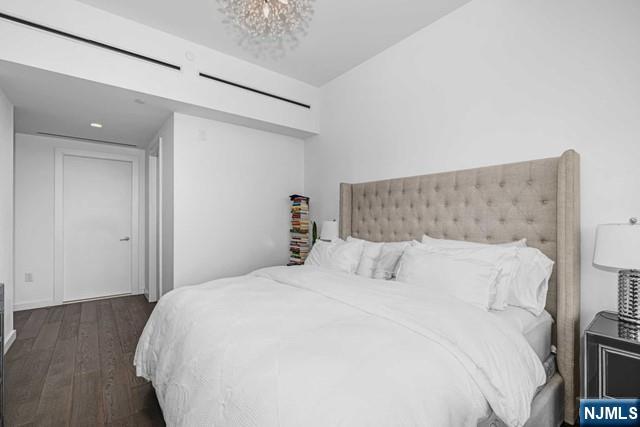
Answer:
(125, 239)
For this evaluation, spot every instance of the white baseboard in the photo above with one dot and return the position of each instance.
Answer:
(146, 295)
(8, 341)
(50, 303)
(33, 304)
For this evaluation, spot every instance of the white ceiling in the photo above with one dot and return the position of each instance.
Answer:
(343, 33)
(47, 102)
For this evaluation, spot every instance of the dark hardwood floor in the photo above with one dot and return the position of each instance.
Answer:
(72, 365)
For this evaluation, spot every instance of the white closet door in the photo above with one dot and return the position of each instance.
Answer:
(97, 226)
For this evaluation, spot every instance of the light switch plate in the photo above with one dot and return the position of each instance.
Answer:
(28, 277)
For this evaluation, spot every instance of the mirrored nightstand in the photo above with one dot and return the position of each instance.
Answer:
(612, 352)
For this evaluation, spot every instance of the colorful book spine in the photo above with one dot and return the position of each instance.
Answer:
(300, 244)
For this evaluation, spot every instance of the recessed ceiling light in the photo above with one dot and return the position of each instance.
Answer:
(96, 125)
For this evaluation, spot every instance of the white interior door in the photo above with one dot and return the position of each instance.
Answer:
(97, 227)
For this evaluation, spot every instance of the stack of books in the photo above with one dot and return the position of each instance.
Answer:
(300, 244)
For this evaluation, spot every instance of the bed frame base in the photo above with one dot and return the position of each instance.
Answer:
(547, 408)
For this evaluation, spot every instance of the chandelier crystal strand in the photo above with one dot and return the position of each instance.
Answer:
(268, 27)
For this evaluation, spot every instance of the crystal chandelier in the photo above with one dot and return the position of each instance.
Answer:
(267, 27)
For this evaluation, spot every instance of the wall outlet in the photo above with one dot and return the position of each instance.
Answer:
(28, 277)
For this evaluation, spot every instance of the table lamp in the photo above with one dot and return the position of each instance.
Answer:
(329, 231)
(618, 247)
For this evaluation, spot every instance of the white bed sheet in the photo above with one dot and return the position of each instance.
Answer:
(302, 346)
(536, 329)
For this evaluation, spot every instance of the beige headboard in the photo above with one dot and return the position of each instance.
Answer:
(537, 200)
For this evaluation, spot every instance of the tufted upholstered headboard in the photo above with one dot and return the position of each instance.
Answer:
(537, 200)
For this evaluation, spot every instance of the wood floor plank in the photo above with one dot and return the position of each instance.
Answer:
(19, 349)
(16, 377)
(48, 336)
(87, 354)
(140, 310)
(70, 321)
(146, 407)
(54, 408)
(134, 380)
(127, 330)
(115, 385)
(146, 305)
(32, 326)
(70, 368)
(88, 312)
(55, 314)
(87, 409)
(20, 318)
(23, 402)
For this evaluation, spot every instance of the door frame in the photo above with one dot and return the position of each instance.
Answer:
(159, 219)
(151, 291)
(155, 247)
(137, 248)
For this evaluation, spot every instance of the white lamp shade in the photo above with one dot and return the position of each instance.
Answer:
(329, 230)
(618, 246)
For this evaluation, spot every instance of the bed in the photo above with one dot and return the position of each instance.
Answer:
(291, 346)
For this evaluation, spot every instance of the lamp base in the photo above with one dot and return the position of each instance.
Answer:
(629, 296)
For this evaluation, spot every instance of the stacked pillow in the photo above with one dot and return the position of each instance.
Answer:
(522, 273)
(336, 255)
(356, 256)
(464, 277)
(489, 276)
(379, 260)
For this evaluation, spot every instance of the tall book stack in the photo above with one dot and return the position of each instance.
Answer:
(300, 244)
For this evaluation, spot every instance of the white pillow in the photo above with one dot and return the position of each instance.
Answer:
(370, 254)
(379, 259)
(528, 285)
(336, 255)
(531, 283)
(389, 260)
(522, 243)
(470, 280)
(503, 258)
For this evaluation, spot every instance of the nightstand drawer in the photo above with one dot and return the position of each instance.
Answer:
(612, 358)
(618, 370)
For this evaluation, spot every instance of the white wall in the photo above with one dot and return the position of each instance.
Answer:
(6, 213)
(34, 213)
(496, 81)
(39, 49)
(231, 198)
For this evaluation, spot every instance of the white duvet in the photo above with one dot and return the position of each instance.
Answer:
(301, 346)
